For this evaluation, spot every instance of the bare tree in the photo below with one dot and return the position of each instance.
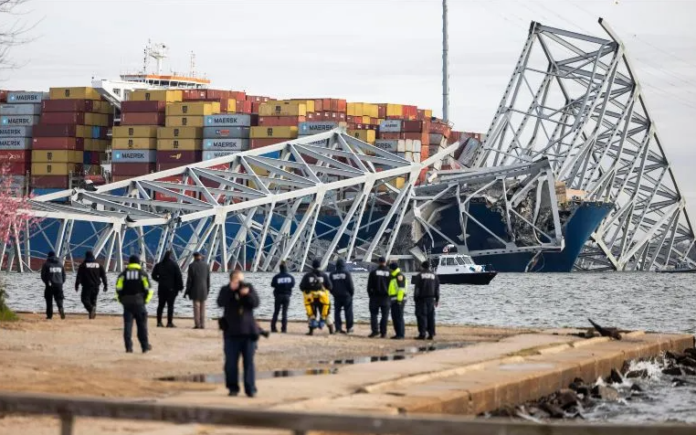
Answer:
(14, 30)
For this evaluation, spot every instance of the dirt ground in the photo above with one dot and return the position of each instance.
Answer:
(84, 357)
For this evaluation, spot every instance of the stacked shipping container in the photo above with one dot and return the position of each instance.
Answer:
(18, 120)
(278, 121)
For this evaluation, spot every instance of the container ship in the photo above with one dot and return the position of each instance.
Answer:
(150, 122)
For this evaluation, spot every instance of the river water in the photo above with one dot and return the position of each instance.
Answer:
(649, 301)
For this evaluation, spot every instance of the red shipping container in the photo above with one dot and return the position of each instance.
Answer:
(95, 158)
(194, 94)
(260, 143)
(58, 143)
(67, 106)
(15, 157)
(3, 96)
(18, 168)
(382, 111)
(440, 127)
(54, 130)
(281, 121)
(334, 105)
(180, 157)
(243, 106)
(165, 166)
(258, 99)
(63, 118)
(50, 181)
(132, 169)
(390, 136)
(143, 106)
(155, 118)
(159, 196)
(255, 106)
(413, 127)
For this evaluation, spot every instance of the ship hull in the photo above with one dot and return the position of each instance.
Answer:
(475, 278)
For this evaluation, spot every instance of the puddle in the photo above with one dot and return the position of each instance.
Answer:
(220, 378)
(398, 355)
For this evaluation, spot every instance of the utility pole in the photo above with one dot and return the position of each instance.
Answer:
(445, 64)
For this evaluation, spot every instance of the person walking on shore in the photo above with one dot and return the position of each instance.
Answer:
(168, 274)
(89, 275)
(427, 297)
(53, 277)
(241, 332)
(133, 291)
(282, 284)
(316, 286)
(397, 293)
(378, 292)
(343, 291)
(198, 288)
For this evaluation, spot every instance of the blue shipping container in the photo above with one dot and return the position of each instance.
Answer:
(226, 144)
(307, 128)
(15, 132)
(226, 132)
(15, 143)
(134, 156)
(20, 109)
(19, 120)
(231, 120)
(26, 97)
(210, 155)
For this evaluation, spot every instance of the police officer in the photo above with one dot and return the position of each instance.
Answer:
(316, 286)
(53, 277)
(427, 297)
(378, 292)
(133, 291)
(89, 274)
(343, 292)
(167, 273)
(397, 293)
(282, 284)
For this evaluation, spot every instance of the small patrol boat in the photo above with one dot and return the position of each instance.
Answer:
(683, 267)
(454, 268)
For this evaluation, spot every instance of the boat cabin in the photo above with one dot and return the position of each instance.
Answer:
(457, 263)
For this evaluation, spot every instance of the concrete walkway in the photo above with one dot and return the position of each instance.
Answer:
(466, 381)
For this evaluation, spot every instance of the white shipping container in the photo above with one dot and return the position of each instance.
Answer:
(390, 126)
(226, 144)
(417, 157)
(26, 97)
(387, 145)
(20, 119)
(401, 147)
(20, 109)
(408, 155)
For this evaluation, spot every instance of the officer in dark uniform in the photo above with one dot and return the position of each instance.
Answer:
(89, 274)
(343, 292)
(378, 292)
(316, 286)
(427, 297)
(53, 277)
(133, 291)
(282, 284)
(397, 295)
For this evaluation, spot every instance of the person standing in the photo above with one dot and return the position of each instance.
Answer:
(241, 333)
(316, 286)
(133, 291)
(197, 288)
(53, 277)
(168, 274)
(89, 275)
(378, 292)
(282, 284)
(397, 292)
(343, 292)
(427, 297)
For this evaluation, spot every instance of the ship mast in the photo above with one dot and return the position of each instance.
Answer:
(445, 64)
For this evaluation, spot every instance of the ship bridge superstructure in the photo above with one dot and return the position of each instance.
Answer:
(576, 100)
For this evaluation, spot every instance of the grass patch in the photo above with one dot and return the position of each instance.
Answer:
(6, 314)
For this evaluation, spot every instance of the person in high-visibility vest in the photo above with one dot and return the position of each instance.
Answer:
(133, 291)
(397, 295)
(316, 286)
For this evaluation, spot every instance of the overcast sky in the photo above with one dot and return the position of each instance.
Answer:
(364, 50)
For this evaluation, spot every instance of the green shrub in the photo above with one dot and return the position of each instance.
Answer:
(6, 314)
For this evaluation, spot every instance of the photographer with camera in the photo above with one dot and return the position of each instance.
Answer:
(241, 332)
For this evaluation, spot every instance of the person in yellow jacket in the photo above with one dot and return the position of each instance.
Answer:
(397, 295)
(316, 286)
(133, 291)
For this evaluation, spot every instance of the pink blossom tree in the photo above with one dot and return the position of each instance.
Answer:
(15, 221)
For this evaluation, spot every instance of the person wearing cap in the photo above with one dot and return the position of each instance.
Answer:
(427, 296)
(378, 292)
(316, 286)
(168, 275)
(397, 293)
(342, 291)
(198, 288)
(133, 291)
(282, 284)
(53, 277)
(89, 275)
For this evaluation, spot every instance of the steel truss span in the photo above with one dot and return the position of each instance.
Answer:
(250, 210)
(576, 100)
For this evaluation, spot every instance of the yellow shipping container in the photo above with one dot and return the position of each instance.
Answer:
(370, 110)
(98, 119)
(231, 106)
(273, 132)
(103, 107)
(369, 136)
(74, 94)
(83, 131)
(428, 113)
(395, 110)
(275, 108)
(184, 121)
(309, 103)
(366, 120)
(147, 95)
(179, 145)
(54, 168)
(179, 133)
(57, 156)
(134, 143)
(353, 109)
(134, 131)
(101, 145)
(193, 109)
